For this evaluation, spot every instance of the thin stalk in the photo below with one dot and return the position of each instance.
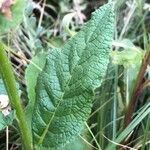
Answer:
(114, 115)
(101, 122)
(99, 148)
(127, 87)
(137, 89)
(145, 39)
(9, 82)
(7, 138)
(129, 16)
(115, 103)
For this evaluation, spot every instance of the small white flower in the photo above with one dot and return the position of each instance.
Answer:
(4, 101)
(6, 111)
(4, 105)
(146, 6)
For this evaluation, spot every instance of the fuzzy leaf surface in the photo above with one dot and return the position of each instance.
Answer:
(65, 87)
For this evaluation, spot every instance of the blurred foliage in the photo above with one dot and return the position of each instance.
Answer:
(14, 18)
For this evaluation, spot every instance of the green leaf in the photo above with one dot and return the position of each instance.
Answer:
(131, 56)
(6, 120)
(65, 87)
(17, 15)
(56, 42)
(76, 144)
(127, 58)
(79, 143)
(31, 74)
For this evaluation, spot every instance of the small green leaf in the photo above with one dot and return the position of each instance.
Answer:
(56, 42)
(65, 87)
(6, 120)
(128, 57)
(17, 15)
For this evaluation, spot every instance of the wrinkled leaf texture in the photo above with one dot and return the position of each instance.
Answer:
(65, 87)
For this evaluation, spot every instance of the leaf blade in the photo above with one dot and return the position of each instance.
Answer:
(65, 88)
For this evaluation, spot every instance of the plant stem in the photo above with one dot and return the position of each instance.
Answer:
(10, 85)
(115, 103)
(137, 89)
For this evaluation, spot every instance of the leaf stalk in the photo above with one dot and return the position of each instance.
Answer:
(10, 85)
